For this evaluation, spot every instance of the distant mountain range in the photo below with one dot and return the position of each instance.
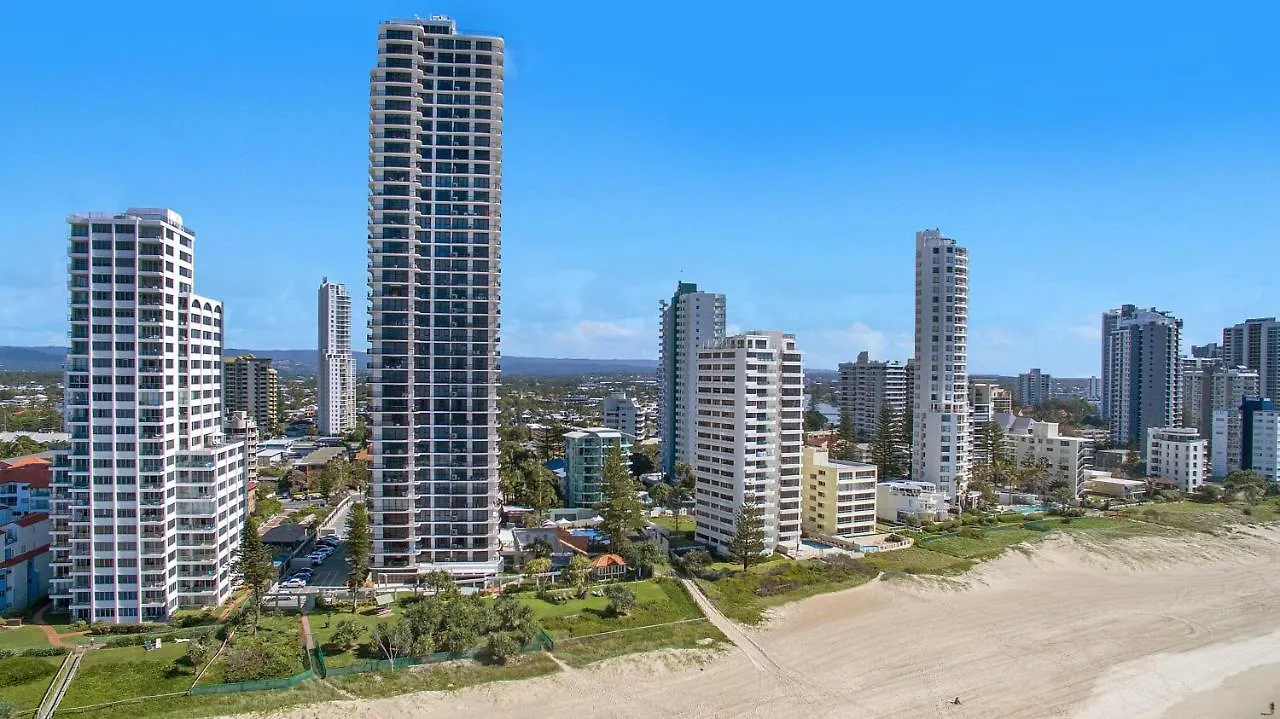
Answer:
(302, 363)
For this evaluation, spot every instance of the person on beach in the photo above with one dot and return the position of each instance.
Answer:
(956, 701)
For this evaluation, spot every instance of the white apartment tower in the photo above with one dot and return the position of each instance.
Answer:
(622, 414)
(749, 436)
(435, 207)
(1255, 343)
(148, 500)
(691, 321)
(866, 386)
(940, 440)
(336, 387)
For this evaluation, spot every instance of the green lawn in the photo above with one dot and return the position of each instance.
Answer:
(990, 544)
(442, 677)
(685, 524)
(107, 675)
(23, 680)
(185, 707)
(22, 637)
(333, 656)
(700, 634)
(657, 601)
(276, 628)
(917, 560)
(1201, 517)
(744, 596)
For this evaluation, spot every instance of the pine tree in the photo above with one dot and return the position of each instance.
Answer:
(748, 541)
(621, 510)
(884, 445)
(846, 432)
(359, 546)
(253, 564)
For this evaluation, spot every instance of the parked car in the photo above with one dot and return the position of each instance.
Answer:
(294, 583)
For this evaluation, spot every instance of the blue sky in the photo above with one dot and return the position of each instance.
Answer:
(1088, 154)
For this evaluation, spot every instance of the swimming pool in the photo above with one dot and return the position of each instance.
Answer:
(1031, 508)
(815, 545)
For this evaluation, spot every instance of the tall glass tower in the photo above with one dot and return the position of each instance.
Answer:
(435, 208)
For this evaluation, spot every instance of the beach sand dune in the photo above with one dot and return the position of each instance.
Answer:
(1145, 627)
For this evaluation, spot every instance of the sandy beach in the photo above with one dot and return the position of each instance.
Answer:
(1147, 627)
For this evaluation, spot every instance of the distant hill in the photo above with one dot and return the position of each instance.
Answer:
(32, 359)
(302, 363)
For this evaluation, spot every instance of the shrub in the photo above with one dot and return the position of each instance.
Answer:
(971, 533)
(132, 640)
(1247, 511)
(1035, 516)
(255, 658)
(7, 653)
(347, 634)
(503, 646)
(141, 628)
(1009, 518)
(621, 599)
(45, 651)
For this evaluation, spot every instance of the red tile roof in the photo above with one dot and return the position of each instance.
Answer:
(38, 475)
(29, 519)
(24, 461)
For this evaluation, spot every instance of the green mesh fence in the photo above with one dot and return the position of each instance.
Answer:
(542, 642)
(256, 685)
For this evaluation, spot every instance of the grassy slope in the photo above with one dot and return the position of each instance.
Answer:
(23, 680)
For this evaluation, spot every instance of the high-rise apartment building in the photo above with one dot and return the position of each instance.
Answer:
(435, 222)
(748, 412)
(1212, 350)
(240, 427)
(940, 429)
(1178, 455)
(252, 385)
(149, 499)
(1034, 387)
(1196, 372)
(1247, 437)
(585, 451)
(336, 378)
(1141, 372)
(866, 386)
(622, 413)
(691, 321)
(986, 400)
(1255, 344)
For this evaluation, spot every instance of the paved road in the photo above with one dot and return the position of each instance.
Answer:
(333, 573)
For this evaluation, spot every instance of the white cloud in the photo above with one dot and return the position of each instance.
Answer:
(825, 349)
(588, 331)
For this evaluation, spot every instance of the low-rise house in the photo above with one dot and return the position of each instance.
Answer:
(1106, 484)
(24, 561)
(901, 499)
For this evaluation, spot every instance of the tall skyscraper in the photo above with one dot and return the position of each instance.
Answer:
(1142, 372)
(252, 385)
(866, 386)
(336, 379)
(691, 321)
(435, 222)
(148, 500)
(748, 409)
(1255, 344)
(940, 431)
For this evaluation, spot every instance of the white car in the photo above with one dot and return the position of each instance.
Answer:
(294, 583)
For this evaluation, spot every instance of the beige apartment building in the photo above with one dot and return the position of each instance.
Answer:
(839, 497)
